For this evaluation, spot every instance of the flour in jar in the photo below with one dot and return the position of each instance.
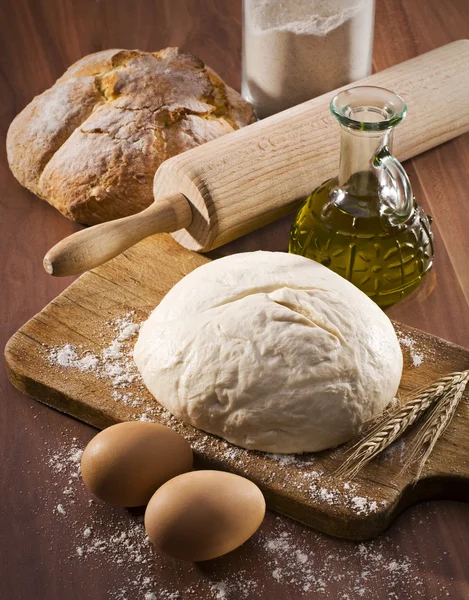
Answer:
(296, 50)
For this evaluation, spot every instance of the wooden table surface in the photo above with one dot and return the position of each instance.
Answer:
(54, 542)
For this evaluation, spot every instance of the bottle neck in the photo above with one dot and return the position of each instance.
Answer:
(358, 150)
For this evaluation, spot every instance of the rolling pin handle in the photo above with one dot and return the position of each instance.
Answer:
(96, 245)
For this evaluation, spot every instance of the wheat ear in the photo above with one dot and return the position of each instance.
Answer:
(389, 429)
(437, 421)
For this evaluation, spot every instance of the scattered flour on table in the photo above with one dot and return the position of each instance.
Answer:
(357, 570)
(69, 460)
(60, 509)
(301, 563)
(299, 560)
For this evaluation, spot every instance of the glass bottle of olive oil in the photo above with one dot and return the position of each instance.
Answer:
(365, 224)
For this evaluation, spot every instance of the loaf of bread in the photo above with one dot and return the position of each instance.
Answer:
(91, 144)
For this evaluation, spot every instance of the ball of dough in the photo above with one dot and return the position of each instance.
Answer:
(270, 351)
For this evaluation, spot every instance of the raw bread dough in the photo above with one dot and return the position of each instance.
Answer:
(270, 351)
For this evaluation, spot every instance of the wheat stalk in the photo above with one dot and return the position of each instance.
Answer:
(438, 420)
(392, 427)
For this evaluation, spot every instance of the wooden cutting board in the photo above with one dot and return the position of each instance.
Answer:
(99, 306)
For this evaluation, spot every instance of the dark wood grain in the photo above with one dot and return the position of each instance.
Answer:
(38, 40)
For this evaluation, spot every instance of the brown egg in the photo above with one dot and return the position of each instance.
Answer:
(126, 463)
(203, 514)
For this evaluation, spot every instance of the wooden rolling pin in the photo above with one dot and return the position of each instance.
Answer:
(226, 188)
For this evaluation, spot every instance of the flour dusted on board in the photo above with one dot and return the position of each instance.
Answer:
(68, 356)
(415, 356)
(114, 362)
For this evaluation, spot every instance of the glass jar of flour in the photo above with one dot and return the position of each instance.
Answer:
(295, 50)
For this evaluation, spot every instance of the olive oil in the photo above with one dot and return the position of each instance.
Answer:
(365, 224)
(383, 255)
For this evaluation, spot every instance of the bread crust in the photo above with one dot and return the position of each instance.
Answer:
(91, 144)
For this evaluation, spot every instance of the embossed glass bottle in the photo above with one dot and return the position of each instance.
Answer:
(365, 224)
